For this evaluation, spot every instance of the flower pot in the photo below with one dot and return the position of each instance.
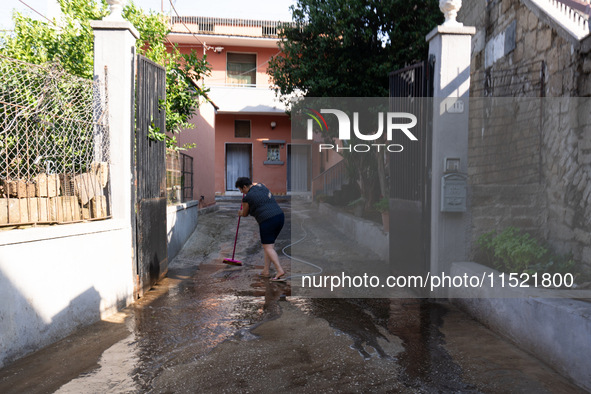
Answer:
(386, 221)
(358, 210)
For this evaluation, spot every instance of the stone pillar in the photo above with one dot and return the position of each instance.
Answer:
(114, 47)
(450, 44)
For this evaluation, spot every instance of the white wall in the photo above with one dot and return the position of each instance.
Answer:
(54, 280)
(451, 48)
(181, 221)
(555, 330)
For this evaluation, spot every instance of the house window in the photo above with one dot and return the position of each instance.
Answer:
(273, 152)
(241, 69)
(242, 128)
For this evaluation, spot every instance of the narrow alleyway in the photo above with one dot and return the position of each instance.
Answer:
(213, 328)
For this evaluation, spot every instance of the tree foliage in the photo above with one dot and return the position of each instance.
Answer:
(346, 48)
(70, 41)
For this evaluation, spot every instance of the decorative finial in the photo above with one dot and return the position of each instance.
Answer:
(116, 7)
(450, 9)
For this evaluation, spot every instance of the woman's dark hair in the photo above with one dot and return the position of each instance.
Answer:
(242, 182)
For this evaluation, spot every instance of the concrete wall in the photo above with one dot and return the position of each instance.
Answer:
(272, 175)
(557, 331)
(181, 222)
(203, 135)
(365, 232)
(450, 46)
(55, 280)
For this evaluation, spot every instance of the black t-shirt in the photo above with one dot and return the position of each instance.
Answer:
(261, 203)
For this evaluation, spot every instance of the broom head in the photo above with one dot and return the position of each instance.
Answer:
(232, 262)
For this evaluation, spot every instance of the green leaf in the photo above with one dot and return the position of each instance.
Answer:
(72, 45)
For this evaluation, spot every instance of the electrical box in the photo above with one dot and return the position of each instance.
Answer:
(453, 192)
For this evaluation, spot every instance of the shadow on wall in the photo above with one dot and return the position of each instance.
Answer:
(29, 322)
(461, 79)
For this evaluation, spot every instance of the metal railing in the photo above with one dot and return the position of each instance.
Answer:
(409, 172)
(186, 177)
(229, 26)
(330, 180)
(236, 85)
(179, 177)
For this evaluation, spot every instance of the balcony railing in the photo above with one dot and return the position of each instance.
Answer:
(330, 180)
(572, 15)
(227, 26)
(235, 85)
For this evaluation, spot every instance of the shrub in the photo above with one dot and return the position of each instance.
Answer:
(485, 245)
(321, 197)
(511, 251)
(383, 205)
(359, 201)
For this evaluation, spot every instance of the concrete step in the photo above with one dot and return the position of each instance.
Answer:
(239, 198)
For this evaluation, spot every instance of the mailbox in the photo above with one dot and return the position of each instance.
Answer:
(453, 192)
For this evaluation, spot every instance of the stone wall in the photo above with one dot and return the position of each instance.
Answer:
(509, 34)
(495, 207)
(553, 175)
(567, 176)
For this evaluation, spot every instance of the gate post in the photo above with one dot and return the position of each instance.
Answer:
(450, 45)
(114, 48)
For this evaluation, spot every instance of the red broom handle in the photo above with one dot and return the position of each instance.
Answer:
(237, 227)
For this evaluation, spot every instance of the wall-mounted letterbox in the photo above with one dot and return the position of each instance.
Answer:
(453, 192)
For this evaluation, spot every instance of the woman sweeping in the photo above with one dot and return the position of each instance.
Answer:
(259, 202)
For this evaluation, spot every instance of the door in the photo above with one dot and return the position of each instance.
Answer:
(238, 160)
(151, 235)
(410, 184)
(298, 168)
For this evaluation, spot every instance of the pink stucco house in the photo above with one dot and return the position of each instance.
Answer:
(244, 130)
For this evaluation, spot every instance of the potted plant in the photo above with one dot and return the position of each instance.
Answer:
(321, 198)
(383, 206)
(358, 206)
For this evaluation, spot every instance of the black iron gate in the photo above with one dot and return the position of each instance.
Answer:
(410, 194)
(187, 176)
(151, 235)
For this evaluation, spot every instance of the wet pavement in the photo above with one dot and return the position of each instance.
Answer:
(213, 328)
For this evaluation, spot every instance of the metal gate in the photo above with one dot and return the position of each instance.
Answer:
(151, 235)
(410, 194)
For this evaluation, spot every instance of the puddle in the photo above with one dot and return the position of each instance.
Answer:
(423, 365)
(114, 376)
(199, 314)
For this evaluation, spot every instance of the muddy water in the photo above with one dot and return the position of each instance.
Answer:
(215, 328)
(197, 316)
